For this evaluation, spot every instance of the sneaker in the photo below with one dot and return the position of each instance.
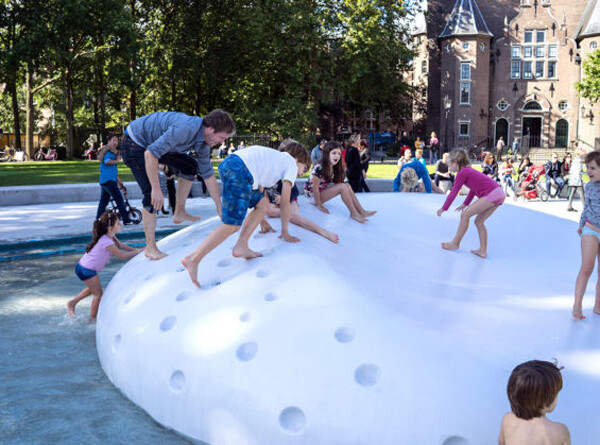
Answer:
(571, 209)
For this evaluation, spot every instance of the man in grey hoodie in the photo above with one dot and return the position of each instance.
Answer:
(167, 138)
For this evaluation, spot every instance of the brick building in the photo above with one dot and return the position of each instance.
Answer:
(505, 68)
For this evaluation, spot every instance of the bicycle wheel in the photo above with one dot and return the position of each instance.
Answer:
(544, 196)
(135, 216)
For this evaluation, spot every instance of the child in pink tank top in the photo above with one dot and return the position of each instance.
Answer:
(104, 244)
(488, 191)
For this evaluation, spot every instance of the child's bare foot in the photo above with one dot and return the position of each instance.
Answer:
(367, 213)
(246, 253)
(333, 237)
(265, 227)
(480, 253)
(180, 217)
(596, 310)
(578, 313)
(155, 254)
(71, 308)
(192, 268)
(450, 246)
(358, 217)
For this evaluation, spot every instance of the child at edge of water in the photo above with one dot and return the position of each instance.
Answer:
(490, 196)
(104, 244)
(245, 174)
(589, 230)
(327, 181)
(532, 390)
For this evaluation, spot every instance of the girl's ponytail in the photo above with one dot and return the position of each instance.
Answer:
(100, 228)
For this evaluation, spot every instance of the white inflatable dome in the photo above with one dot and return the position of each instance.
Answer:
(384, 338)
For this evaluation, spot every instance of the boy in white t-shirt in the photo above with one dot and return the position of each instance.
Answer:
(244, 176)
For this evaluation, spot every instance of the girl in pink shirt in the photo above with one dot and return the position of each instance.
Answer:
(488, 191)
(104, 244)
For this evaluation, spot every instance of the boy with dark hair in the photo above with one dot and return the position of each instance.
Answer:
(245, 175)
(167, 137)
(533, 389)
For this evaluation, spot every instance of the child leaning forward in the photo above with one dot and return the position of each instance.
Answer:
(245, 175)
(490, 196)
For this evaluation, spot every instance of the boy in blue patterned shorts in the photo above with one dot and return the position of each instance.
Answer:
(245, 175)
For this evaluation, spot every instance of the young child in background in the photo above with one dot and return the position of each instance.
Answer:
(506, 173)
(589, 229)
(98, 252)
(408, 178)
(245, 175)
(327, 181)
(490, 194)
(533, 389)
(274, 210)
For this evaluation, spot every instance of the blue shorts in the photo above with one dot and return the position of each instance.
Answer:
(83, 273)
(587, 231)
(238, 195)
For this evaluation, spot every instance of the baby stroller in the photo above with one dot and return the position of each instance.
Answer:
(529, 185)
(135, 215)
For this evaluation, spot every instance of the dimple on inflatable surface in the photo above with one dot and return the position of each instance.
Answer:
(384, 338)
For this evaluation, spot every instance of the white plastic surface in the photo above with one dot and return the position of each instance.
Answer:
(384, 338)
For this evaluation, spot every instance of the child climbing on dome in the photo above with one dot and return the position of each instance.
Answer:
(413, 176)
(245, 174)
(327, 181)
(589, 230)
(104, 244)
(490, 196)
(533, 389)
(274, 210)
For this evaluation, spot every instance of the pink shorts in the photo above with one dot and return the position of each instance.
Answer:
(496, 196)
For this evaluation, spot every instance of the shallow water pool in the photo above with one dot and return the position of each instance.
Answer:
(53, 388)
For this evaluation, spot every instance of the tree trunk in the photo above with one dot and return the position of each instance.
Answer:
(12, 87)
(29, 113)
(68, 94)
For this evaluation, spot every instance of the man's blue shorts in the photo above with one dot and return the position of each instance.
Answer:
(238, 195)
(83, 273)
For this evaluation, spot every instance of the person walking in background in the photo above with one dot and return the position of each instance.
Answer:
(575, 180)
(434, 148)
(166, 137)
(365, 158)
(500, 147)
(109, 180)
(516, 146)
(317, 152)
(353, 165)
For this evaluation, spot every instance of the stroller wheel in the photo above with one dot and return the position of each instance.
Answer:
(135, 216)
(544, 196)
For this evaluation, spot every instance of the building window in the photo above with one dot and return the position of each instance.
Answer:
(515, 70)
(502, 105)
(540, 52)
(465, 93)
(465, 45)
(528, 36)
(528, 52)
(540, 36)
(424, 66)
(552, 51)
(448, 47)
(593, 45)
(532, 105)
(369, 119)
(465, 71)
(563, 105)
(527, 73)
(482, 47)
(515, 52)
(539, 70)
(551, 70)
(464, 129)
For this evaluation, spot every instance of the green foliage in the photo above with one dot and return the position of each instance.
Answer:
(589, 87)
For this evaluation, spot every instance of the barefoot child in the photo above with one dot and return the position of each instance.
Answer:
(533, 389)
(244, 175)
(409, 175)
(589, 229)
(98, 252)
(490, 196)
(327, 181)
(295, 218)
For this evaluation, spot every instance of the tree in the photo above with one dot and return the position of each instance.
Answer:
(589, 86)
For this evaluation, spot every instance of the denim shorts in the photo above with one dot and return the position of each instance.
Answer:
(587, 231)
(238, 195)
(83, 273)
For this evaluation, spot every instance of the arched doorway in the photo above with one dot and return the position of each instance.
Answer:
(561, 138)
(501, 131)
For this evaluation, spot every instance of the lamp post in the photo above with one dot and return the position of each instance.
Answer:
(123, 111)
(447, 106)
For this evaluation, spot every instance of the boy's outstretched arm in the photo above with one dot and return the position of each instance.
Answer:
(285, 212)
